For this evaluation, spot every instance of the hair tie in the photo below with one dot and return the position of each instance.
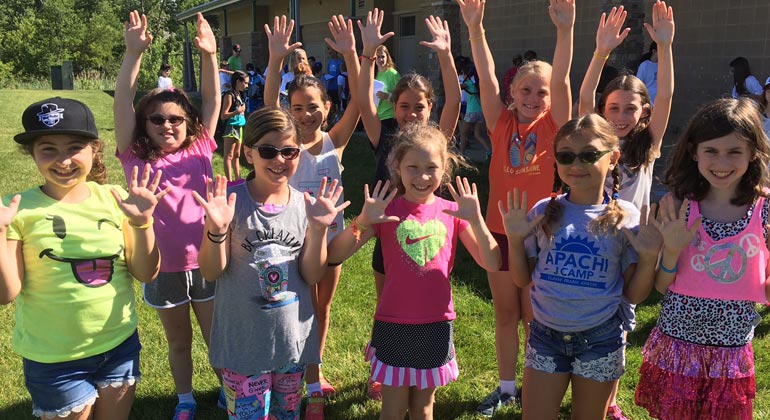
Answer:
(553, 195)
(615, 196)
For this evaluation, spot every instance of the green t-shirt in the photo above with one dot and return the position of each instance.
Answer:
(390, 78)
(77, 298)
(234, 63)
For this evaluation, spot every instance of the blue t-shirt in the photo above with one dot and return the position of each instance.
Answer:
(577, 282)
(333, 69)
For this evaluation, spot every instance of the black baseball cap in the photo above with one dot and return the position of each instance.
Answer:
(56, 116)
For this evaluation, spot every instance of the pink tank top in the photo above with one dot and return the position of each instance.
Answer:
(732, 268)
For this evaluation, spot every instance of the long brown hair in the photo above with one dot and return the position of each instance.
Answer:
(589, 126)
(717, 119)
(146, 149)
(636, 151)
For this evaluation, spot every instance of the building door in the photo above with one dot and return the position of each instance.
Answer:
(407, 44)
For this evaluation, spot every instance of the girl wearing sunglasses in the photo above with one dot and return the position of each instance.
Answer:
(265, 245)
(582, 253)
(321, 157)
(167, 132)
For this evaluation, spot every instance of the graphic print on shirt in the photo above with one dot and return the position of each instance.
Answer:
(421, 241)
(272, 266)
(90, 272)
(725, 263)
(312, 186)
(576, 261)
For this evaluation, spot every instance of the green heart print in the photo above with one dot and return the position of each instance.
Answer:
(421, 242)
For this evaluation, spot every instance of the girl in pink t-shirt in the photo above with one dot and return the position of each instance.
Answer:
(169, 133)
(698, 360)
(412, 350)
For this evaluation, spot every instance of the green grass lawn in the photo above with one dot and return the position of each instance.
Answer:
(351, 312)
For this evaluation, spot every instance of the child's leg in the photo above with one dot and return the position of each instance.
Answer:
(395, 402)
(230, 144)
(247, 397)
(543, 394)
(465, 130)
(237, 157)
(322, 296)
(421, 403)
(480, 133)
(507, 305)
(178, 329)
(204, 313)
(589, 398)
(114, 403)
(286, 397)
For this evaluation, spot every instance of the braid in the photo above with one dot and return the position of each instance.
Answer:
(610, 221)
(553, 209)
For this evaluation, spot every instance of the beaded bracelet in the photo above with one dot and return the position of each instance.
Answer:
(357, 228)
(372, 58)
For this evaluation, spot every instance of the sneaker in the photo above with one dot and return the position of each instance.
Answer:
(615, 413)
(221, 399)
(374, 390)
(327, 388)
(185, 411)
(494, 402)
(314, 407)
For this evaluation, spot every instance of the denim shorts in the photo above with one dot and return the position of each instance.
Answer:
(595, 354)
(61, 387)
(170, 290)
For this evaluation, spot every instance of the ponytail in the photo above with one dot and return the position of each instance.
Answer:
(554, 209)
(614, 214)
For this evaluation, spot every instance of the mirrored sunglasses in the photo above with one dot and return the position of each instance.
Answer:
(588, 157)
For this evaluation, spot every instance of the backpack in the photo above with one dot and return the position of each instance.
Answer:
(256, 88)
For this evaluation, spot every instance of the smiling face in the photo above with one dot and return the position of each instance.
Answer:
(412, 106)
(531, 97)
(723, 161)
(64, 161)
(421, 171)
(623, 109)
(309, 109)
(272, 173)
(166, 136)
(585, 179)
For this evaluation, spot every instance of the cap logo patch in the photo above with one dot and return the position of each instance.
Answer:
(50, 114)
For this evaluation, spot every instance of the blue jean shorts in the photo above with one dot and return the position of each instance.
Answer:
(595, 354)
(57, 388)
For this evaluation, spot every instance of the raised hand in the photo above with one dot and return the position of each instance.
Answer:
(136, 36)
(374, 205)
(662, 29)
(205, 39)
(342, 32)
(673, 224)
(142, 199)
(472, 11)
(219, 207)
(517, 226)
(278, 38)
(610, 34)
(371, 38)
(467, 199)
(562, 13)
(648, 240)
(322, 212)
(441, 43)
(8, 213)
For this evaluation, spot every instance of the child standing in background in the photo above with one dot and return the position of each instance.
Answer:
(320, 158)
(265, 245)
(581, 253)
(69, 252)
(412, 348)
(522, 156)
(698, 360)
(233, 113)
(169, 133)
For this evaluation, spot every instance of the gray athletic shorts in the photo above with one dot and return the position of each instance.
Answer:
(173, 289)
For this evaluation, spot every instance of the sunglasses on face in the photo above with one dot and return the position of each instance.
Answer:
(270, 152)
(588, 157)
(175, 120)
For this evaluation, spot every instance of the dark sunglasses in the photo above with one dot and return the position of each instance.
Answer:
(175, 120)
(588, 157)
(270, 152)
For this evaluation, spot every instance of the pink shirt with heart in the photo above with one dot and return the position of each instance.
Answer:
(419, 253)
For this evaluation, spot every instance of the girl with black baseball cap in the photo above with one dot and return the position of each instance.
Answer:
(83, 244)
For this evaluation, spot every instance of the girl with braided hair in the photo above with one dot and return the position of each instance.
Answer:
(582, 252)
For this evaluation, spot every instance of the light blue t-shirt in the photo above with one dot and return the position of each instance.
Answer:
(577, 282)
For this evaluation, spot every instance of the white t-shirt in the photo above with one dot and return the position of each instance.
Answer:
(165, 82)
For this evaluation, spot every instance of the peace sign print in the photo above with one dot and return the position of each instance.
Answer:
(751, 244)
(725, 263)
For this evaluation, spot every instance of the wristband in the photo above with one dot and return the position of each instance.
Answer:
(664, 269)
(216, 238)
(601, 57)
(372, 58)
(144, 226)
(479, 36)
(357, 228)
